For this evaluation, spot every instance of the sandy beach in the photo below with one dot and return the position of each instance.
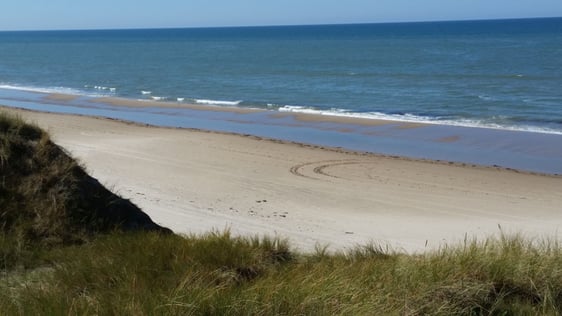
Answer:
(195, 181)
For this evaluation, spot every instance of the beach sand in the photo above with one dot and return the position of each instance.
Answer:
(195, 181)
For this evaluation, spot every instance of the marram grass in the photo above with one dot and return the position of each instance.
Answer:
(216, 274)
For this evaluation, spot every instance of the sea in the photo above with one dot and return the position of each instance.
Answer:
(494, 74)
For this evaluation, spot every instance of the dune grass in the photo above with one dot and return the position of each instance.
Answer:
(60, 255)
(47, 199)
(216, 274)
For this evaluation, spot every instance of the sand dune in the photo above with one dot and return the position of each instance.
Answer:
(195, 181)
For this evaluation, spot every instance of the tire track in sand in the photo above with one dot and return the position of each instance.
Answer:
(319, 170)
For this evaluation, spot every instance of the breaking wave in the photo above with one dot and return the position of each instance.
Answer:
(217, 102)
(494, 123)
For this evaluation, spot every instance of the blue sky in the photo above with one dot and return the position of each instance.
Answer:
(77, 14)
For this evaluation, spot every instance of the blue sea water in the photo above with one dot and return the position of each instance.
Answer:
(503, 74)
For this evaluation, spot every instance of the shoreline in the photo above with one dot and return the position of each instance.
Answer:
(528, 151)
(304, 114)
(194, 181)
(340, 150)
(533, 152)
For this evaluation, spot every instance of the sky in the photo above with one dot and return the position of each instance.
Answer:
(111, 14)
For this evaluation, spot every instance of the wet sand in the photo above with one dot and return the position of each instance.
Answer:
(194, 181)
(531, 151)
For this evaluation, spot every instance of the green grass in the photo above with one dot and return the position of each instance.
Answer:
(60, 255)
(216, 274)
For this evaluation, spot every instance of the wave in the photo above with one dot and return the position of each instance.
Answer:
(103, 88)
(412, 118)
(61, 90)
(217, 102)
(87, 91)
(486, 98)
(405, 117)
(143, 92)
(501, 123)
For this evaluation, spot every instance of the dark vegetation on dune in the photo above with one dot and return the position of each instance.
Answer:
(68, 246)
(47, 196)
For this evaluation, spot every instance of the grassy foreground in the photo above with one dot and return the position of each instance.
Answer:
(155, 274)
(79, 260)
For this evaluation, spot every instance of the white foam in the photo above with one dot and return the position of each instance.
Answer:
(346, 113)
(145, 92)
(485, 98)
(103, 88)
(411, 118)
(111, 90)
(309, 110)
(491, 125)
(217, 102)
(61, 90)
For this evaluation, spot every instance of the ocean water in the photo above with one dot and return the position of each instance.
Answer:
(504, 74)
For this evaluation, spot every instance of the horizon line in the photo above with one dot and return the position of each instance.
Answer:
(277, 25)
